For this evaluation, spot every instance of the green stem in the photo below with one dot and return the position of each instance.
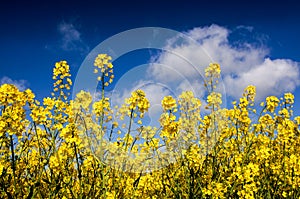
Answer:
(129, 129)
(13, 160)
(78, 166)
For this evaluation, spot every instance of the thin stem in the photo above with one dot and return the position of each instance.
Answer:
(129, 129)
(13, 159)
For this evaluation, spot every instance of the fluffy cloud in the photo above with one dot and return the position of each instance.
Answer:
(242, 63)
(71, 38)
(21, 84)
(271, 77)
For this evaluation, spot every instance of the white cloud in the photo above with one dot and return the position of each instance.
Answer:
(241, 64)
(71, 38)
(21, 84)
(272, 77)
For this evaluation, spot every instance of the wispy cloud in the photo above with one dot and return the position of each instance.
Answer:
(248, 28)
(71, 38)
(21, 84)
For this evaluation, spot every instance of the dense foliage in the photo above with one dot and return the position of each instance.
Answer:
(84, 148)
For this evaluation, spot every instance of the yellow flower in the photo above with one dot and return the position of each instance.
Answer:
(61, 74)
(213, 69)
(272, 102)
(83, 99)
(102, 107)
(138, 100)
(214, 99)
(289, 98)
(284, 112)
(169, 104)
(250, 92)
(103, 63)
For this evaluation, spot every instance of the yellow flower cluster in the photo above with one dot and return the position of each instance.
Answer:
(13, 114)
(214, 99)
(61, 73)
(212, 74)
(289, 98)
(138, 101)
(102, 106)
(189, 113)
(169, 125)
(213, 70)
(272, 102)
(169, 104)
(61, 148)
(250, 93)
(102, 63)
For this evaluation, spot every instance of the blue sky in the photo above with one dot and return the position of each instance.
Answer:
(264, 35)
